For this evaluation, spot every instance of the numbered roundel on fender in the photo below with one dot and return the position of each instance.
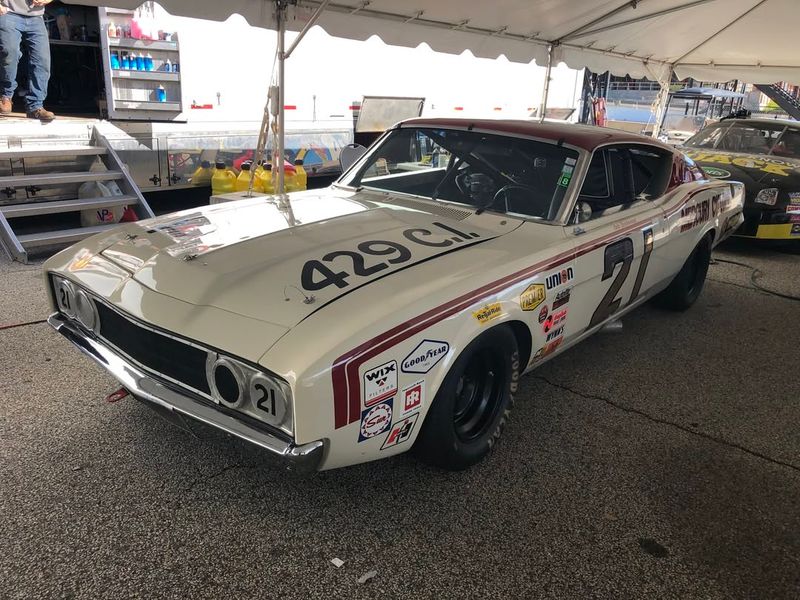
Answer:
(375, 420)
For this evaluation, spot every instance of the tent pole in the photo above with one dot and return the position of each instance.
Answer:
(279, 143)
(661, 103)
(546, 90)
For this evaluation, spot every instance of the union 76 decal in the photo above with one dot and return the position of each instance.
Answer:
(317, 275)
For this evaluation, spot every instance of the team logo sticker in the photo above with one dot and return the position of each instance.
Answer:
(554, 320)
(380, 383)
(547, 349)
(717, 173)
(423, 358)
(400, 432)
(562, 298)
(559, 278)
(412, 397)
(532, 297)
(488, 313)
(543, 314)
(375, 420)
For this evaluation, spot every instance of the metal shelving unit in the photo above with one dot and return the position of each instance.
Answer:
(132, 94)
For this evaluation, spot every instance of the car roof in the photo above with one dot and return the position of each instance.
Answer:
(764, 120)
(587, 137)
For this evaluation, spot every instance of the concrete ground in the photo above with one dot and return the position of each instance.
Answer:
(662, 461)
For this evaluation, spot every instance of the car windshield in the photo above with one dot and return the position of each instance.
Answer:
(750, 138)
(523, 177)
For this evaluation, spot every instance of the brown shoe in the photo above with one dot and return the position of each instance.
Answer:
(5, 105)
(43, 115)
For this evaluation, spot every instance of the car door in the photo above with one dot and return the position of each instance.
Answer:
(619, 234)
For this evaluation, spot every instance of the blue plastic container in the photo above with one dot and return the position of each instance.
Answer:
(115, 60)
(148, 62)
(126, 61)
(161, 94)
(140, 63)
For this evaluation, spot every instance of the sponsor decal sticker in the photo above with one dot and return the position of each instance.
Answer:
(547, 349)
(423, 358)
(554, 320)
(793, 207)
(717, 173)
(375, 420)
(767, 165)
(412, 397)
(795, 229)
(380, 383)
(400, 432)
(532, 297)
(543, 314)
(692, 216)
(488, 313)
(562, 298)
(80, 261)
(559, 278)
(555, 333)
(794, 196)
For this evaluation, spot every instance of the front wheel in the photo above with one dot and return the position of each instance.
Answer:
(688, 283)
(473, 403)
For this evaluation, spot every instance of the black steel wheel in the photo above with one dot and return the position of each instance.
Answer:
(473, 403)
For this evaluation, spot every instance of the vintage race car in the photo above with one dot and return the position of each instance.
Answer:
(398, 308)
(764, 154)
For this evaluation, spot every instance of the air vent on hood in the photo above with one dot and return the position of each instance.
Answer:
(443, 210)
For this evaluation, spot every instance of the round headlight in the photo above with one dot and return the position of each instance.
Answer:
(226, 383)
(65, 296)
(268, 399)
(85, 311)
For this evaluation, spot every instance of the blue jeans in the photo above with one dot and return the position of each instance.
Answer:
(18, 32)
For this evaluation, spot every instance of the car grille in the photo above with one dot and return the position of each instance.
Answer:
(156, 352)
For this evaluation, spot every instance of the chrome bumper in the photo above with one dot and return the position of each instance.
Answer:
(174, 405)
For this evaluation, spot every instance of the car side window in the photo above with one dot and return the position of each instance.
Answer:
(620, 176)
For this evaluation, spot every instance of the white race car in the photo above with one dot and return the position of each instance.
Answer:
(398, 308)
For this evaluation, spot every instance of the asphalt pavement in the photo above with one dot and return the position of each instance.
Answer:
(659, 462)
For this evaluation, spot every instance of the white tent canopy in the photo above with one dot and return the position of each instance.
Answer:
(709, 40)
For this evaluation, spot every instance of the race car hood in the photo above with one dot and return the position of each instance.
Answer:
(280, 260)
(756, 171)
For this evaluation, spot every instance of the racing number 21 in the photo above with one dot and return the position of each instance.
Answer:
(621, 251)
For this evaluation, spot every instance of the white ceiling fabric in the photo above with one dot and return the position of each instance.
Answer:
(709, 40)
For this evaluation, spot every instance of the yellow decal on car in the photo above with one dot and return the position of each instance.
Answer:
(532, 297)
(488, 313)
(767, 165)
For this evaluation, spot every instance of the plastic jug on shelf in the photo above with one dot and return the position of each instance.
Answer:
(161, 94)
(148, 62)
(202, 174)
(223, 181)
(267, 184)
(139, 62)
(301, 177)
(289, 177)
(115, 64)
(243, 180)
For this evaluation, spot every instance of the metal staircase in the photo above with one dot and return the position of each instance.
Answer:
(782, 98)
(39, 204)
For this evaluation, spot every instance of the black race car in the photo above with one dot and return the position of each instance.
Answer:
(764, 154)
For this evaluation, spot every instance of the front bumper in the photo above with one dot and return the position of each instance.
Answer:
(175, 405)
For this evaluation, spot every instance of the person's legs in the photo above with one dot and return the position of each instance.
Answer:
(37, 49)
(10, 37)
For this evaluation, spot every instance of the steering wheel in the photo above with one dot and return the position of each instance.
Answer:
(540, 205)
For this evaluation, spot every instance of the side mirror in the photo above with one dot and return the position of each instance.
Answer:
(349, 155)
(583, 212)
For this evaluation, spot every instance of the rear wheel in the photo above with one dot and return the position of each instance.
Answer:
(688, 283)
(473, 403)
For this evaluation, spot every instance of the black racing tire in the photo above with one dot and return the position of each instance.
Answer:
(473, 403)
(684, 290)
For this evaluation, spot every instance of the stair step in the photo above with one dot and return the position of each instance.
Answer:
(58, 178)
(48, 208)
(51, 152)
(65, 236)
